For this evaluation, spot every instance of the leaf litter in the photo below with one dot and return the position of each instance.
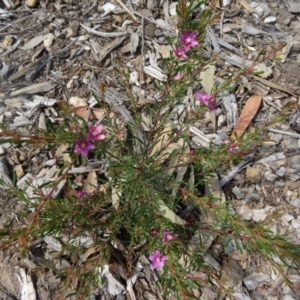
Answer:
(28, 72)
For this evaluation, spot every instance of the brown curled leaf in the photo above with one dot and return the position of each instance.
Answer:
(247, 114)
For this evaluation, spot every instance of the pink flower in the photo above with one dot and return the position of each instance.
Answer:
(83, 146)
(80, 194)
(96, 133)
(188, 39)
(207, 100)
(232, 148)
(178, 76)
(168, 236)
(180, 53)
(157, 259)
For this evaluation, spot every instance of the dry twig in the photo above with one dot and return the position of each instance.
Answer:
(128, 11)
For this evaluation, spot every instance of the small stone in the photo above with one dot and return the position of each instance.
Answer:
(270, 176)
(287, 217)
(50, 163)
(253, 174)
(295, 202)
(296, 223)
(31, 3)
(260, 214)
(258, 187)
(237, 192)
(284, 17)
(19, 171)
(295, 25)
(8, 40)
(280, 183)
(49, 38)
(281, 172)
(245, 212)
(76, 101)
(270, 19)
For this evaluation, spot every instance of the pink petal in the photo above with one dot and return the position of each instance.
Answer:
(81, 193)
(83, 147)
(180, 53)
(157, 259)
(178, 76)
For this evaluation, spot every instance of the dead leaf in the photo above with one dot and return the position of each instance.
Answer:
(163, 138)
(90, 183)
(92, 250)
(69, 192)
(32, 89)
(60, 150)
(273, 85)
(33, 42)
(173, 161)
(250, 9)
(93, 255)
(212, 187)
(182, 159)
(36, 54)
(85, 111)
(146, 101)
(169, 214)
(115, 197)
(117, 19)
(207, 78)
(247, 114)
